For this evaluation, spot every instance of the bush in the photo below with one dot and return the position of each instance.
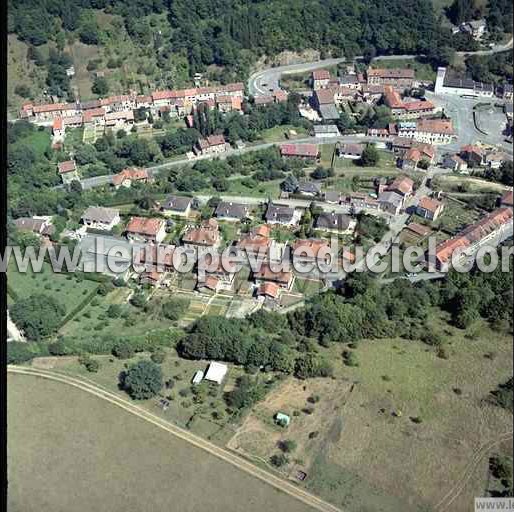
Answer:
(91, 365)
(20, 352)
(279, 460)
(288, 446)
(143, 380)
(114, 311)
(350, 358)
(158, 356)
(57, 348)
(175, 308)
(123, 350)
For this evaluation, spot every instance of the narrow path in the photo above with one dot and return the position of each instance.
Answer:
(478, 455)
(273, 480)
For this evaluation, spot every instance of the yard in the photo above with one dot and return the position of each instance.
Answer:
(62, 438)
(67, 289)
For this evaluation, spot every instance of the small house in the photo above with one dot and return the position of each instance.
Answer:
(216, 372)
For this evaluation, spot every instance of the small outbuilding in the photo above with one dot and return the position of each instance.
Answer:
(282, 419)
(216, 372)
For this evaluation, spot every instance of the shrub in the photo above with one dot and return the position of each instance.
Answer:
(288, 446)
(143, 380)
(158, 356)
(279, 460)
(123, 350)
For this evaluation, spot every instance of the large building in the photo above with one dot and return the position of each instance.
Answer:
(397, 78)
(446, 83)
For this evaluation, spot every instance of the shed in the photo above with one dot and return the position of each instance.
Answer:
(282, 419)
(198, 377)
(216, 372)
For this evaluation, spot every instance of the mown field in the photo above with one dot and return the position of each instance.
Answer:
(398, 431)
(68, 450)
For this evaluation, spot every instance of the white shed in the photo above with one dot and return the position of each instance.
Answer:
(216, 372)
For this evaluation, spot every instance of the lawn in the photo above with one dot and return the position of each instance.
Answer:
(455, 217)
(66, 443)
(281, 133)
(66, 288)
(134, 322)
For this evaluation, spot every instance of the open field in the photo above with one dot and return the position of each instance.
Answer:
(67, 290)
(365, 458)
(62, 438)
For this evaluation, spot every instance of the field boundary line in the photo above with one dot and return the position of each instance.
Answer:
(221, 453)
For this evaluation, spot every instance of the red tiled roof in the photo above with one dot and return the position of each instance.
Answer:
(444, 126)
(402, 184)
(215, 140)
(507, 198)
(391, 73)
(133, 174)
(419, 229)
(429, 204)
(267, 274)
(206, 234)
(300, 150)
(144, 226)
(321, 74)
(325, 96)
(270, 289)
(58, 124)
(392, 97)
(67, 166)
(445, 249)
(414, 106)
(314, 245)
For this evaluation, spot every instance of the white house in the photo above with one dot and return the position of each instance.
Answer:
(104, 219)
(216, 372)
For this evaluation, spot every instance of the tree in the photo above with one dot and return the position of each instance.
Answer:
(173, 309)
(100, 86)
(288, 446)
(370, 156)
(123, 350)
(114, 311)
(20, 352)
(143, 380)
(22, 90)
(37, 316)
(279, 460)
(138, 300)
(290, 184)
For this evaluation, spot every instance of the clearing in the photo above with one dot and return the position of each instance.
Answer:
(63, 438)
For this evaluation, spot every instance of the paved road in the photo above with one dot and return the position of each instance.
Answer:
(267, 80)
(98, 181)
(225, 455)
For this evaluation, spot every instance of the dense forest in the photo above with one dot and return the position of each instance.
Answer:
(234, 33)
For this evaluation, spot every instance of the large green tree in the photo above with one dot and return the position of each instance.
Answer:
(142, 380)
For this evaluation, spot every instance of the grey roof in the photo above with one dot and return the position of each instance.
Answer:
(99, 214)
(325, 128)
(332, 196)
(308, 187)
(333, 220)
(329, 112)
(391, 197)
(231, 210)
(348, 79)
(279, 213)
(176, 203)
(507, 88)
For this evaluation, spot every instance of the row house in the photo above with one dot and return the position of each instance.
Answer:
(119, 119)
(320, 79)
(494, 227)
(206, 235)
(303, 151)
(397, 78)
(68, 171)
(416, 154)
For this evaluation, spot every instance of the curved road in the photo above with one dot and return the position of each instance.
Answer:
(267, 80)
(269, 478)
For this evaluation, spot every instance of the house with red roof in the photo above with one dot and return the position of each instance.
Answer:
(68, 171)
(281, 278)
(126, 177)
(303, 151)
(473, 155)
(213, 144)
(145, 229)
(206, 235)
(429, 208)
(320, 78)
(402, 185)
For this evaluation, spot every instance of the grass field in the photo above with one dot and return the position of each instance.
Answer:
(365, 458)
(80, 453)
(65, 288)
